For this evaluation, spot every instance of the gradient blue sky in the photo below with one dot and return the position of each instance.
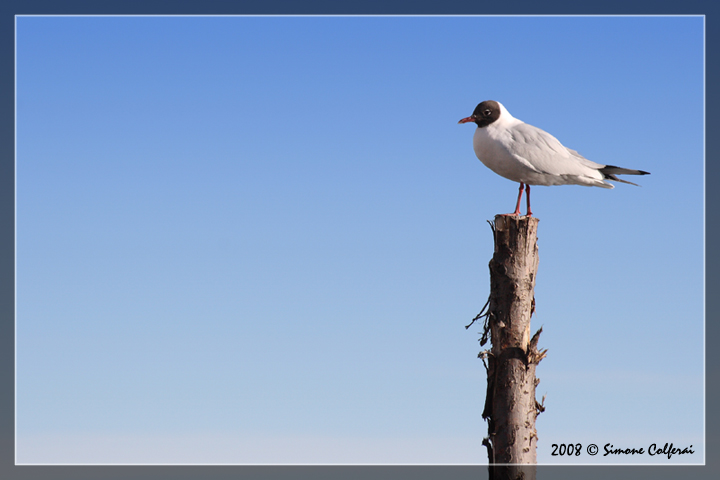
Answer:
(258, 240)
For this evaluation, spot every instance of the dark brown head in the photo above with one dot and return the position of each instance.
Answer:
(484, 114)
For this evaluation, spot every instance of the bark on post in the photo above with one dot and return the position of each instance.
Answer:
(510, 405)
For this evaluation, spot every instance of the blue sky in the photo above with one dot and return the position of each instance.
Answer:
(258, 240)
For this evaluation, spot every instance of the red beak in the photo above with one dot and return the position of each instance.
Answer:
(467, 119)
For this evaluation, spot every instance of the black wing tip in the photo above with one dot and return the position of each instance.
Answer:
(610, 169)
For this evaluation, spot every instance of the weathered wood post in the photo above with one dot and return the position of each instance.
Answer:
(510, 404)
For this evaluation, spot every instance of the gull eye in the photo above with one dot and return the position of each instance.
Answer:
(487, 113)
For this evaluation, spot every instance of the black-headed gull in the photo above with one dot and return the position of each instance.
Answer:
(525, 154)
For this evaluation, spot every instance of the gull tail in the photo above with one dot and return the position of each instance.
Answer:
(609, 171)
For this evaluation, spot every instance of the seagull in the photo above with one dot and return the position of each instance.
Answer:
(522, 153)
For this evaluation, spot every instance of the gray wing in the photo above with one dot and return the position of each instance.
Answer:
(544, 153)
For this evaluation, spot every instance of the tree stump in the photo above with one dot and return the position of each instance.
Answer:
(510, 404)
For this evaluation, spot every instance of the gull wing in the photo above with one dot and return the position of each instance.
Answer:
(545, 154)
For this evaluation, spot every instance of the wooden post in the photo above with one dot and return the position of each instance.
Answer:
(510, 405)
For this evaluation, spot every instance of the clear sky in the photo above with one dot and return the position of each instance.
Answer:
(258, 240)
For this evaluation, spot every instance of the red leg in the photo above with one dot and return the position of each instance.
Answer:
(527, 197)
(517, 206)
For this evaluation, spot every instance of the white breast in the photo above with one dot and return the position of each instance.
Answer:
(490, 145)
